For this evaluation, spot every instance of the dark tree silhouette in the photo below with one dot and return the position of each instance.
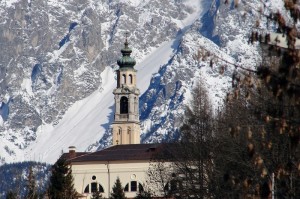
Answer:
(117, 190)
(61, 181)
(11, 195)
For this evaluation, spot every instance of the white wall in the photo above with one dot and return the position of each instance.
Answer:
(106, 174)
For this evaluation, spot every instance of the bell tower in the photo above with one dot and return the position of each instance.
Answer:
(126, 125)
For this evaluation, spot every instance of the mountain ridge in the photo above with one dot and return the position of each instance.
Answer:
(56, 90)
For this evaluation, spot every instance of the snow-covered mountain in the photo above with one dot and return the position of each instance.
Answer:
(57, 62)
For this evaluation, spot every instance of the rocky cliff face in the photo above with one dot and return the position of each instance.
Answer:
(53, 53)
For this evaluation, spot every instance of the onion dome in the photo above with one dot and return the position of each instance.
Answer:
(126, 61)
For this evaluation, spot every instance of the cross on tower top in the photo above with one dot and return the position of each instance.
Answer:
(126, 36)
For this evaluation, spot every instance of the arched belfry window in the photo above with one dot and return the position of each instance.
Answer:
(123, 79)
(124, 105)
(130, 79)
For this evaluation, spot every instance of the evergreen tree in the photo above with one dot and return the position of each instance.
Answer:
(118, 190)
(31, 185)
(61, 181)
(143, 195)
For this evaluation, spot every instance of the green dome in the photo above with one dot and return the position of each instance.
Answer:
(126, 60)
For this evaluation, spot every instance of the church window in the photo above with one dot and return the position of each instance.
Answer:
(134, 187)
(124, 105)
(130, 79)
(94, 188)
(126, 188)
(141, 188)
(123, 79)
(101, 190)
(87, 189)
(94, 178)
(120, 131)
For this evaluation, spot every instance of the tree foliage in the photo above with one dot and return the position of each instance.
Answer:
(270, 95)
(186, 172)
(195, 158)
(11, 195)
(31, 185)
(117, 190)
(143, 195)
(61, 181)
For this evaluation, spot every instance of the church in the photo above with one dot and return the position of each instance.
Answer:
(126, 159)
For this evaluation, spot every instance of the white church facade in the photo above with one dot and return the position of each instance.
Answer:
(127, 159)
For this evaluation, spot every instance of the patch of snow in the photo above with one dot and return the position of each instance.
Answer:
(8, 3)
(1, 121)
(27, 86)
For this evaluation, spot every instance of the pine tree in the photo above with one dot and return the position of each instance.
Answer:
(31, 185)
(118, 190)
(61, 181)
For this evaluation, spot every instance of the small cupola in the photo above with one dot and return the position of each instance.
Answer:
(126, 61)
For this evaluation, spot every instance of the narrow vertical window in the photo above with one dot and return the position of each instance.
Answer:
(94, 187)
(130, 79)
(123, 79)
(133, 186)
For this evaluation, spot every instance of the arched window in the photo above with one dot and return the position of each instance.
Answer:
(133, 186)
(124, 105)
(123, 79)
(94, 188)
(130, 79)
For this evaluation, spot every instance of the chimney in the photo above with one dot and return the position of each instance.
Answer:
(72, 152)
